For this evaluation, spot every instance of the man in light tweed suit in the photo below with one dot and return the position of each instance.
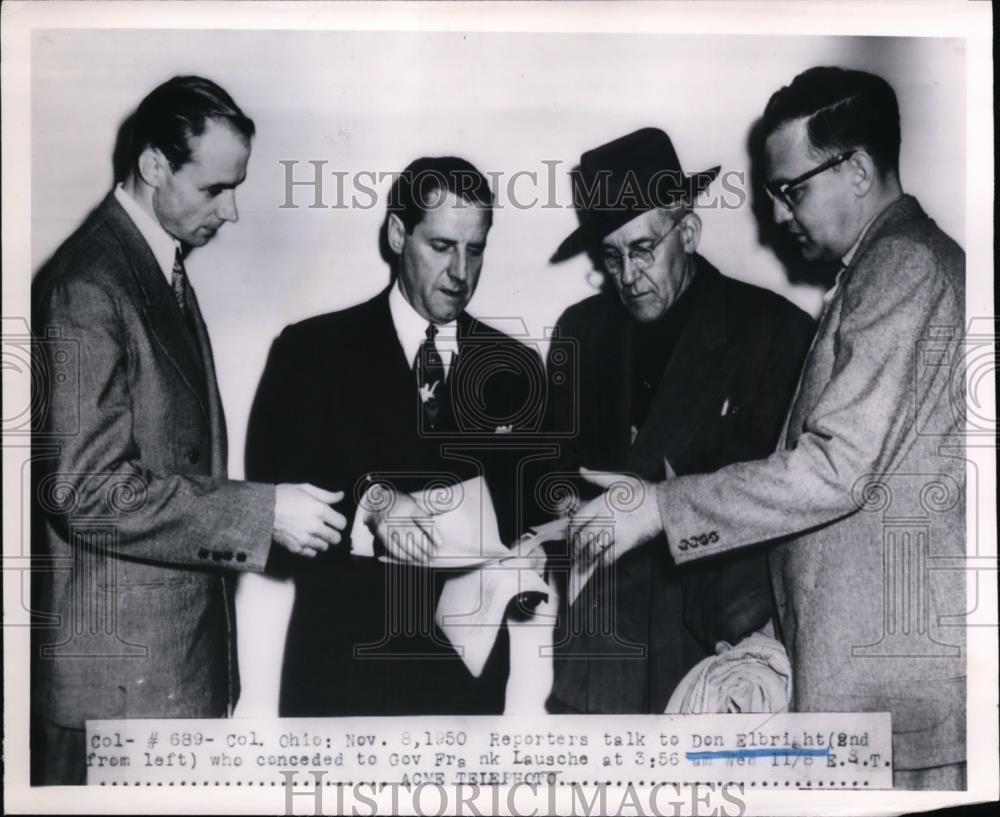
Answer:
(136, 525)
(863, 503)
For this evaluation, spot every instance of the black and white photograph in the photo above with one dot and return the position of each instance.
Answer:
(523, 400)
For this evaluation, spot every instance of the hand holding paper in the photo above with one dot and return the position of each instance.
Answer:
(442, 526)
(622, 518)
(406, 529)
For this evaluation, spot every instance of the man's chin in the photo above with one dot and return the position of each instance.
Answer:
(441, 316)
(643, 310)
(447, 309)
(202, 236)
(810, 252)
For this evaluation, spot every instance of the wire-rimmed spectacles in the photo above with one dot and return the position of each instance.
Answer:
(642, 258)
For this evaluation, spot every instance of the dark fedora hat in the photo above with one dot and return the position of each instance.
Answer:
(623, 179)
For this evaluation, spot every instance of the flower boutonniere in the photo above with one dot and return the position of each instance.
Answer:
(427, 391)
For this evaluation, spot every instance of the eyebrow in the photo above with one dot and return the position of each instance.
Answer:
(225, 185)
(451, 242)
(633, 243)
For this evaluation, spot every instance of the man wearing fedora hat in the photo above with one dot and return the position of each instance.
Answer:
(680, 370)
(863, 501)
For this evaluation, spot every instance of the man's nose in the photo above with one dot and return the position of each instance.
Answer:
(782, 212)
(227, 206)
(630, 272)
(458, 269)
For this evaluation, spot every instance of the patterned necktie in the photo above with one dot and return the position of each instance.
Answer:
(179, 284)
(430, 377)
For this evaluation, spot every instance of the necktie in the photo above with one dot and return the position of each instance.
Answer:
(430, 378)
(178, 282)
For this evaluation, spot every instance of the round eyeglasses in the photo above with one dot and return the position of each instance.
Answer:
(642, 257)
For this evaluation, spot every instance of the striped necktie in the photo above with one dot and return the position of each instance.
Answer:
(179, 284)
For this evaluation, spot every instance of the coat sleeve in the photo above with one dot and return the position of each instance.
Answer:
(861, 423)
(91, 417)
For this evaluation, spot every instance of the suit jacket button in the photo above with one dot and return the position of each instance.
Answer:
(227, 555)
(216, 556)
(241, 556)
(202, 553)
(194, 456)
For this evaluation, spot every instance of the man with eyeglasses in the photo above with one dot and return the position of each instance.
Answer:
(865, 494)
(679, 369)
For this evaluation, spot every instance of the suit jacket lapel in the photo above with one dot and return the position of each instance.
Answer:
(812, 381)
(386, 347)
(692, 383)
(162, 313)
(392, 376)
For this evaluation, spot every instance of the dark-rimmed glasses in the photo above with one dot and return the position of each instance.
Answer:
(787, 192)
(642, 258)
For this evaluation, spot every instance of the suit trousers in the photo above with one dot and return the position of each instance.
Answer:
(58, 754)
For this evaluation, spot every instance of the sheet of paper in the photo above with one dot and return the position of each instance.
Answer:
(462, 514)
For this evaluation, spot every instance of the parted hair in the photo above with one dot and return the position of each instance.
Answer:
(171, 115)
(844, 110)
(424, 183)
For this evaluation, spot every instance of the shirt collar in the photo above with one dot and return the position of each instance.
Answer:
(411, 329)
(163, 245)
(846, 260)
(848, 256)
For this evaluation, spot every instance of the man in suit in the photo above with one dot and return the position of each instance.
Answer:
(678, 368)
(865, 494)
(136, 521)
(403, 392)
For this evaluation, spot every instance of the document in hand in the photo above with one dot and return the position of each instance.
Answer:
(462, 514)
(471, 608)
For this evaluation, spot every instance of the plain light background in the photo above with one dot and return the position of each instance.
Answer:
(522, 107)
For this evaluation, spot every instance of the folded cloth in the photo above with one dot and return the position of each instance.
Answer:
(752, 676)
(470, 610)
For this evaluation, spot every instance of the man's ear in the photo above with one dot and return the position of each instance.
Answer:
(690, 230)
(862, 170)
(152, 166)
(395, 233)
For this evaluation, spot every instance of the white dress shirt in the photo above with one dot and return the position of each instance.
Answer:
(411, 329)
(163, 245)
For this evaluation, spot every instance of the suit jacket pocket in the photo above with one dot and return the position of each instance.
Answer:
(181, 625)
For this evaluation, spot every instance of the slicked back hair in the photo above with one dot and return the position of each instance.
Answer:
(172, 114)
(425, 182)
(844, 110)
